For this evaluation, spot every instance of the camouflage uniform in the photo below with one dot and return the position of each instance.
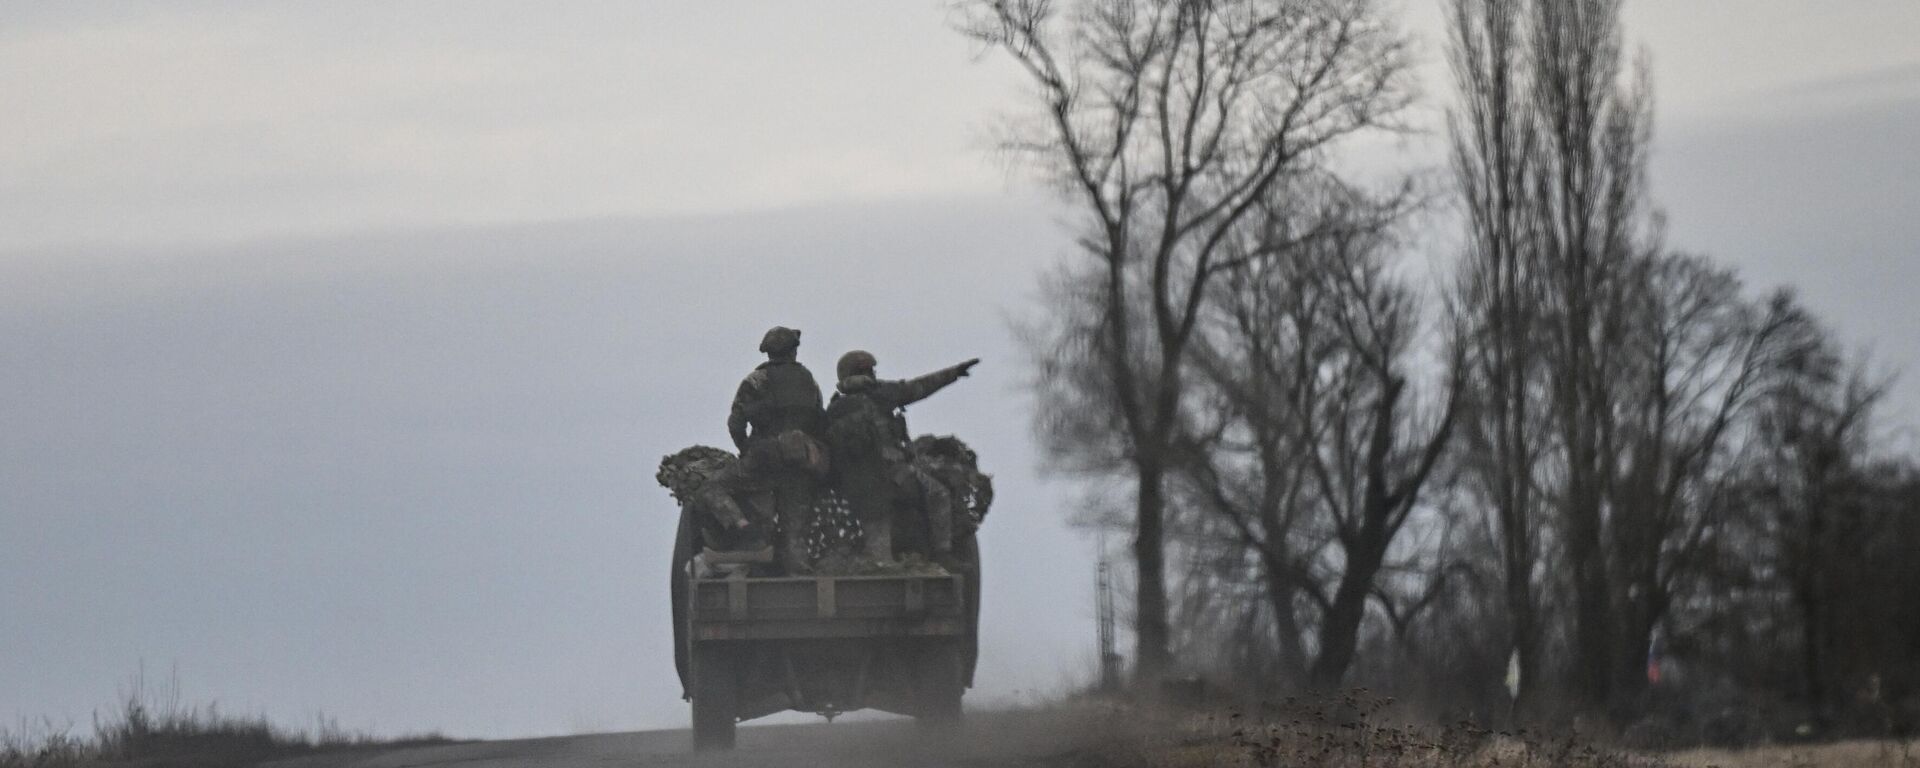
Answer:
(873, 466)
(776, 421)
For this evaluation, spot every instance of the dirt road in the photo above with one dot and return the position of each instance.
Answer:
(986, 740)
(1040, 739)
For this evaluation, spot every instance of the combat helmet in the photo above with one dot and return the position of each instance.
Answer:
(780, 340)
(856, 363)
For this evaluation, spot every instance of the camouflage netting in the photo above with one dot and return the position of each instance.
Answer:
(836, 532)
(834, 545)
(834, 539)
(955, 465)
(683, 473)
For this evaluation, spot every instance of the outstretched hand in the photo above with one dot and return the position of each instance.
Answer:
(966, 368)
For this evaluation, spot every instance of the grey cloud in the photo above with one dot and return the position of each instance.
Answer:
(1821, 200)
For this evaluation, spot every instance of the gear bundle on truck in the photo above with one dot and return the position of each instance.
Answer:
(750, 646)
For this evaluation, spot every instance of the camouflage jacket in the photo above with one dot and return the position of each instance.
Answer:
(780, 395)
(866, 423)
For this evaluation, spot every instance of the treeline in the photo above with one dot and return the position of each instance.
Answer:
(1585, 474)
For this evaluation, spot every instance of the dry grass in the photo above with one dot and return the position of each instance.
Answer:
(153, 730)
(1351, 731)
(1849, 754)
(1360, 731)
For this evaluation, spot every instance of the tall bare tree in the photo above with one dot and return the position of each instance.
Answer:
(1587, 208)
(1495, 144)
(1166, 122)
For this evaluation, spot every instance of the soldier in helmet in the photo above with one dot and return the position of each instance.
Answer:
(777, 423)
(872, 458)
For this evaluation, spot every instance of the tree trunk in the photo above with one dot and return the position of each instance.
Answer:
(1812, 604)
(1286, 626)
(1151, 633)
(1632, 645)
(1592, 671)
(1525, 641)
(1593, 628)
(1341, 629)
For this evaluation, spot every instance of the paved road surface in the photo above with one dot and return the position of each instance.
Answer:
(986, 741)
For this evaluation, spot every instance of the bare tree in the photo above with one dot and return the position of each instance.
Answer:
(1242, 459)
(1166, 122)
(1814, 434)
(1303, 444)
(1494, 147)
(1587, 202)
(1549, 159)
(1698, 358)
(1641, 445)
(1371, 473)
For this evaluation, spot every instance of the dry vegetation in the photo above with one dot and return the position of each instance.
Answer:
(154, 730)
(1355, 730)
(1851, 754)
(1358, 729)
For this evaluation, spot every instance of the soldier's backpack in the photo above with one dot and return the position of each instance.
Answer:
(800, 451)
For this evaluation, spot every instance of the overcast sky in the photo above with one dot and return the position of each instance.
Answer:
(338, 341)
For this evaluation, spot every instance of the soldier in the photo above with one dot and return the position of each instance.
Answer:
(872, 460)
(776, 422)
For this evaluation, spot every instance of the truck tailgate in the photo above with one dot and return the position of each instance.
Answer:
(741, 608)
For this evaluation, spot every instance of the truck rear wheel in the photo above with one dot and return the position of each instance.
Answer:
(715, 686)
(939, 683)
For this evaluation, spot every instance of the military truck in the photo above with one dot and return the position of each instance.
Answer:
(751, 645)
